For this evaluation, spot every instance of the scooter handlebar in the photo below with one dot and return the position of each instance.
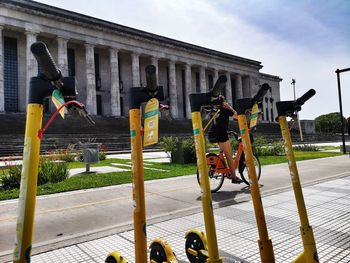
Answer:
(218, 87)
(299, 102)
(45, 61)
(151, 78)
(261, 93)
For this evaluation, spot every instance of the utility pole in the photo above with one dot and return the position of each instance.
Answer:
(300, 131)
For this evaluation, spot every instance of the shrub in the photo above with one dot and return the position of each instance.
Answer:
(306, 148)
(329, 123)
(52, 171)
(189, 149)
(12, 179)
(172, 145)
(102, 156)
(275, 149)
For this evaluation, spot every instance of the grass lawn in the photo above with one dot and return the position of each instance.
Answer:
(86, 181)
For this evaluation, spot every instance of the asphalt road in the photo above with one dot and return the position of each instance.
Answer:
(64, 219)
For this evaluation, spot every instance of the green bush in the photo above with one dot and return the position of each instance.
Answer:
(12, 179)
(172, 145)
(189, 149)
(306, 148)
(329, 123)
(102, 156)
(275, 149)
(52, 171)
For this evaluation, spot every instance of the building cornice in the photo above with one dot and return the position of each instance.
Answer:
(271, 77)
(95, 23)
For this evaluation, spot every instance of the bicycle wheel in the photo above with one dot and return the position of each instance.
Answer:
(215, 179)
(243, 171)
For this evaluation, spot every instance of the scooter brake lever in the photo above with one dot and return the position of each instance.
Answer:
(80, 111)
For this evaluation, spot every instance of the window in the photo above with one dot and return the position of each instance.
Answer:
(97, 71)
(10, 74)
(183, 78)
(198, 85)
(210, 81)
(71, 62)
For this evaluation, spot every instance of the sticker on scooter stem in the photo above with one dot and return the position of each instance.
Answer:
(151, 122)
(254, 116)
(58, 100)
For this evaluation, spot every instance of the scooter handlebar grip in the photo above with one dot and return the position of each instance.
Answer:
(151, 78)
(45, 61)
(305, 97)
(261, 93)
(219, 86)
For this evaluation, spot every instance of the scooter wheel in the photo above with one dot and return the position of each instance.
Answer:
(194, 242)
(157, 253)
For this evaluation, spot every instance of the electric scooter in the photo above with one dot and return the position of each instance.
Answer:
(44, 85)
(289, 109)
(243, 105)
(137, 96)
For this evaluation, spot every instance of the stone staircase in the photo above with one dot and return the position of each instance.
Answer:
(113, 133)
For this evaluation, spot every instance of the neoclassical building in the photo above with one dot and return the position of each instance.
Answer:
(107, 59)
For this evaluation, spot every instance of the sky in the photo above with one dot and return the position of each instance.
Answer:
(305, 40)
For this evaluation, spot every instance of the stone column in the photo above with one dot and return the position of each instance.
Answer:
(264, 109)
(202, 80)
(268, 107)
(188, 89)
(115, 91)
(31, 64)
(62, 55)
(172, 89)
(2, 90)
(90, 79)
(154, 62)
(135, 64)
(239, 87)
(215, 76)
(246, 87)
(228, 88)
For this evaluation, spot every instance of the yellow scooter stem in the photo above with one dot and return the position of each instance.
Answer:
(213, 251)
(28, 188)
(138, 187)
(265, 244)
(309, 255)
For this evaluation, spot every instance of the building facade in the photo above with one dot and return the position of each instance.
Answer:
(107, 59)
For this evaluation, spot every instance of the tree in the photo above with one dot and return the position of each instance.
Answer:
(329, 123)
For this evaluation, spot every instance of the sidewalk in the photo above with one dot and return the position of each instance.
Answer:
(328, 207)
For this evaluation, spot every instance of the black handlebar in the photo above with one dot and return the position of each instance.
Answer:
(261, 93)
(45, 61)
(218, 87)
(290, 107)
(151, 78)
(305, 97)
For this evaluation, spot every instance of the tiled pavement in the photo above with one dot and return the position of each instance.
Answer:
(328, 206)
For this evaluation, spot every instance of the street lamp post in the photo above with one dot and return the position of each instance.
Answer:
(338, 71)
(300, 131)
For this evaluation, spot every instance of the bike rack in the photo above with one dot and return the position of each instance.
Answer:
(288, 109)
(265, 243)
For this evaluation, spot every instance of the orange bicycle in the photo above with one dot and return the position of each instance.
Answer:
(218, 168)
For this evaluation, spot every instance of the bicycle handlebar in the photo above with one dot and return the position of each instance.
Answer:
(218, 87)
(305, 97)
(261, 93)
(151, 78)
(45, 61)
